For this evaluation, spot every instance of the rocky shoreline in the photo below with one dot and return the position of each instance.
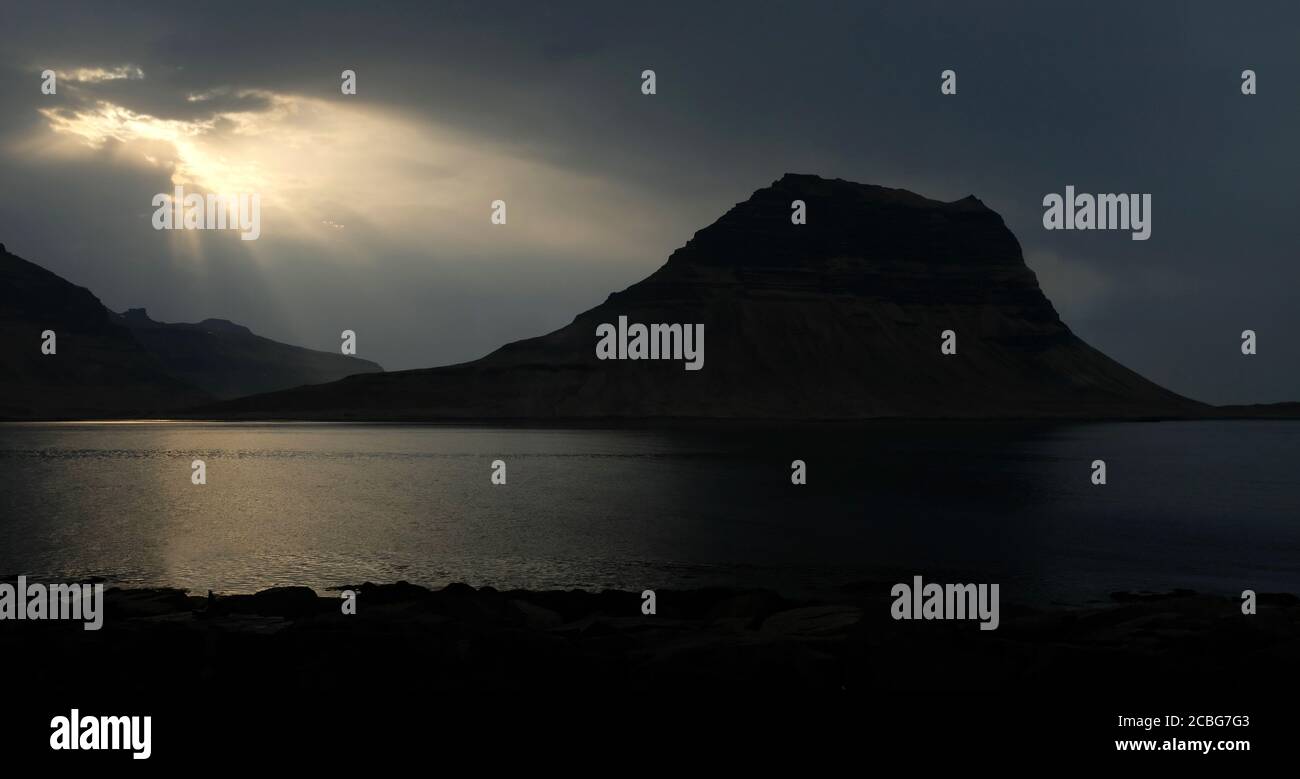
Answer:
(461, 639)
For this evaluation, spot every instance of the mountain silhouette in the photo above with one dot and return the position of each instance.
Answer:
(110, 365)
(839, 318)
(98, 369)
(228, 360)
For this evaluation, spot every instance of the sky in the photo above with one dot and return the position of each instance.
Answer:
(376, 206)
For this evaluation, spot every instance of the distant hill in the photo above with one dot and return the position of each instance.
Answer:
(109, 365)
(839, 319)
(227, 360)
(99, 369)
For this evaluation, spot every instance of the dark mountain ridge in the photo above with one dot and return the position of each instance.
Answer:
(837, 319)
(107, 365)
(98, 369)
(228, 360)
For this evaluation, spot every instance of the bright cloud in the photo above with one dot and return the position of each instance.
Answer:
(96, 75)
(319, 164)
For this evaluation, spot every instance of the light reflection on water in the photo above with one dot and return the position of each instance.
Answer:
(1205, 505)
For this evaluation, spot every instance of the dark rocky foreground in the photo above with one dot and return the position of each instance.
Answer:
(282, 677)
(407, 640)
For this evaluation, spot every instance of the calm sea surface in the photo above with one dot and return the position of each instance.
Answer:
(1213, 506)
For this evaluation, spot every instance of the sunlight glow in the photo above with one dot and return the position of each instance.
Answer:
(319, 165)
(96, 75)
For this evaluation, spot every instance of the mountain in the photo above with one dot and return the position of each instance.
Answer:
(98, 369)
(839, 318)
(126, 365)
(228, 360)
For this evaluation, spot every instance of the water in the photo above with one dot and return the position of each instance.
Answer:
(1210, 506)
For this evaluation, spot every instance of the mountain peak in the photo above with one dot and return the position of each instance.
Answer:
(818, 186)
(871, 225)
(814, 185)
(839, 317)
(224, 326)
(137, 316)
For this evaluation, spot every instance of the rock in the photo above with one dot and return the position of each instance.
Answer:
(536, 617)
(813, 622)
(463, 602)
(1284, 599)
(752, 607)
(385, 594)
(288, 602)
(148, 602)
(1132, 597)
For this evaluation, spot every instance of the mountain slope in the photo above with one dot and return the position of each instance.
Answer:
(98, 368)
(228, 360)
(127, 365)
(836, 319)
